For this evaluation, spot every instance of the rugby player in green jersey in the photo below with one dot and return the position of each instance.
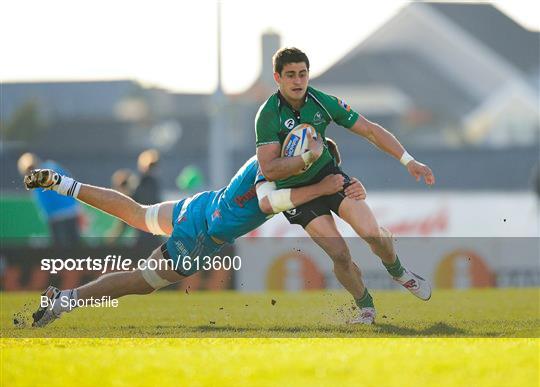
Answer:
(294, 103)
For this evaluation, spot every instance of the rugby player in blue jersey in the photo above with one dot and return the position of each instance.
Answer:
(197, 226)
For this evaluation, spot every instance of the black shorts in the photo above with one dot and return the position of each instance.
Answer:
(305, 213)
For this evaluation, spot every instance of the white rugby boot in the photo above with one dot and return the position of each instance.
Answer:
(366, 316)
(415, 284)
(45, 315)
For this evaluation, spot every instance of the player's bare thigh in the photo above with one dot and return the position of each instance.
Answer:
(164, 268)
(324, 232)
(358, 214)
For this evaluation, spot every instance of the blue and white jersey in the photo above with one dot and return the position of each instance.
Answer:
(235, 211)
(225, 214)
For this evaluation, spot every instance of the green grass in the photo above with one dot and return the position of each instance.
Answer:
(270, 362)
(472, 313)
(169, 340)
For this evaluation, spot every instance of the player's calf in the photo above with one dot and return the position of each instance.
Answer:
(153, 279)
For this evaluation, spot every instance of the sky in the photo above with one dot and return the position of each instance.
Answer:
(172, 44)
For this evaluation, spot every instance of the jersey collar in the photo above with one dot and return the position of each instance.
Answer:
(283, 101)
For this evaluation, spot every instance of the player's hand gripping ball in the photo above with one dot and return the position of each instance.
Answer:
(296, 142)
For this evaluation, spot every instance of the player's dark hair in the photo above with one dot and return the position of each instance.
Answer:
(334, 150)
(288, 55)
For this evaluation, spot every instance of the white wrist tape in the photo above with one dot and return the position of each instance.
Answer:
(265, 188)
(406, 158)
(280, 200)
(151, 220)
(67, 187)
(307, 157)
(151, 277)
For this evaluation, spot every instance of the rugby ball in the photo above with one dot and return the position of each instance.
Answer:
(296, 142)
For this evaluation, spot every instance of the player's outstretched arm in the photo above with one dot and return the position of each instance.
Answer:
(107, 200)
(273, 201)
(387, 142)
(274, 167)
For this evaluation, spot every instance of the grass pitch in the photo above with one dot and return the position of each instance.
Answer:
(472, 313)
(475, 337)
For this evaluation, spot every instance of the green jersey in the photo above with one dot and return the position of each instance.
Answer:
(276, 117)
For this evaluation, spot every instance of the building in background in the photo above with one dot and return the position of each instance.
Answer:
(75, 121)
(458, 83)
(444, 74)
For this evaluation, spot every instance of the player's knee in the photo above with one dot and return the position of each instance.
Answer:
(379, 238)
(373, 241)
(136, 282)
(151, 277)
(385, 233)
(374, 238)
(341, 256)
(146, 288)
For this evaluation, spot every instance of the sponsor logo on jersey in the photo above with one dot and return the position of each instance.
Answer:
(317, 118)
(291, 146)
(344, 105)
(242, 199)
(289, 124)
(216, 214)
